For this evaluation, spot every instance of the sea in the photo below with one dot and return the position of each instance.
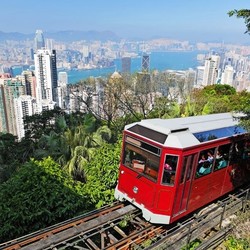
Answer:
(158, 61)
(180, 60)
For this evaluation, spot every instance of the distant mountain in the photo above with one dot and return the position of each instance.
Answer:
(64, 36)
(14, 36)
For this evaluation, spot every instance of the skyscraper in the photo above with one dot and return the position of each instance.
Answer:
(227, 75)
(211, 70)
(199, 76)
(39, 42)
(29, 80)
(46, 75)
(126, 64)
(9, 91)
(145, 63)
(62, 90)
(24, 106)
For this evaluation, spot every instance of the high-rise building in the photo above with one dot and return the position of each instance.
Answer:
(46, 78)
(39, 42)
(145, 63)
(199, 76)
(24, 106)
(49, 44)
(62, 79)
(62, 90)
(29, 80)
(3, 118)
(216, 59)
(85, 53)
(126, 64)
(10, 89)
(227, 75)
(211, 70)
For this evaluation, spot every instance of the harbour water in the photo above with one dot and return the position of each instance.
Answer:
(158, 60)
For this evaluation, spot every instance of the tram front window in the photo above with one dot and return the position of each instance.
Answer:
(141, 161)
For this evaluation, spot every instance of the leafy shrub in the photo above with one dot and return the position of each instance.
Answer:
(38, 195)
(102, 174)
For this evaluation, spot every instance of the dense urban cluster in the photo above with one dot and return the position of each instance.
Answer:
(41, 86)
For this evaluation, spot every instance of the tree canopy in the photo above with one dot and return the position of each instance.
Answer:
(243, 13)
(38, 195)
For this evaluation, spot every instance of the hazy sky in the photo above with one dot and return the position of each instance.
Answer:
(198, 20)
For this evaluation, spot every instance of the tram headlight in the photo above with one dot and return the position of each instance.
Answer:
(135, 189)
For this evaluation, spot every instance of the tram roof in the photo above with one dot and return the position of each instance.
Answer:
(187, 131)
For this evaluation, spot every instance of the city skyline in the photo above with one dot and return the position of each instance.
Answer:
(194, 20)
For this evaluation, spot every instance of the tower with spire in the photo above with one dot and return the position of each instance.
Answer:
(39, 42)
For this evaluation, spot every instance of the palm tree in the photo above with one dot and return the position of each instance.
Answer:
(82, 144)
(53, 145)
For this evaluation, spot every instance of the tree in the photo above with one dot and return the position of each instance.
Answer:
(243, 13)
(38, 195)
(53, 145)
(8, 156)
(215, 98)
(102, 173)
(82, 142)
(241, 103)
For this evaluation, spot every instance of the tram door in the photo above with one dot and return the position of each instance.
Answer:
(184, 186)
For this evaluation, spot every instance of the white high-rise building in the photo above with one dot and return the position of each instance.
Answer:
(62, 90)
(24, 106)
(62, 79)
(211, 70)
(216, 59)
(199, 76)
(227, 75)
(85, 51)
(46, 78)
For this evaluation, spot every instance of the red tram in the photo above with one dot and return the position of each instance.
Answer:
(172, 167)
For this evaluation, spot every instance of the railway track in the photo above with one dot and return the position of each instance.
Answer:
(60, 227)
(112, 227)
(121, 226)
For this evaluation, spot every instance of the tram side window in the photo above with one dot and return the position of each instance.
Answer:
(205, 162)
(169, 172)
(222, 157)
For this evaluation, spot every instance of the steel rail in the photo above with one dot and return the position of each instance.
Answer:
(104, 229)
(54, 229)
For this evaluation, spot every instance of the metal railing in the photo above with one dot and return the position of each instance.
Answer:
(210, 228)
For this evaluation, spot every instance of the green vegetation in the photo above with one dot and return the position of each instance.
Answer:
(243, 13)
(240, 236)
(38, 195)
(193, 245)
(101, 174)
(233, 243)
(68, 163)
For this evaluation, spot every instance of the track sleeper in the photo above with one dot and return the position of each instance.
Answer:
(91, 243)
